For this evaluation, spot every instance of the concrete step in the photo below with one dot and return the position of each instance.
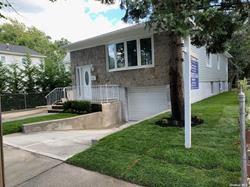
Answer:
(55, 110)
(57, 106)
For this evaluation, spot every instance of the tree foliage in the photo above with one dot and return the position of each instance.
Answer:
(14, 79)
(210, 23)
(3, 77)
(240, 50)
(50, 74)
(29, 72)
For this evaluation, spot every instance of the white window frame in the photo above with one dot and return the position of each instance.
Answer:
(139, 65)
(218, 61)
(209, 60)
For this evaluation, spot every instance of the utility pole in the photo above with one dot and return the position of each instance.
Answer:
(2, 181)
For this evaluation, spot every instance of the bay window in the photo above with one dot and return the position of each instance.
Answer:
(130, 54)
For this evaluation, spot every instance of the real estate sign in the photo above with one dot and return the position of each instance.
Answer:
(194, 74)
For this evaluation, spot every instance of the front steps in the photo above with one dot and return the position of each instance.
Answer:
(56, 108)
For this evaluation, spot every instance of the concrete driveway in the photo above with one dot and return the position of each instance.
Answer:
(26, 169)
(60, 145)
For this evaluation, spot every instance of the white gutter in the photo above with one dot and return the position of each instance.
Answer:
(21, 54)
(101, 39)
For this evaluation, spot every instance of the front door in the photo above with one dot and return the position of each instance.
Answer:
(84, 86)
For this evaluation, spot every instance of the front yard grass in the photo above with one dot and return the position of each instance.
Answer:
(16, 126)
(151, 155)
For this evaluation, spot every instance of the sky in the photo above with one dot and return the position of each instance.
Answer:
(71, 19)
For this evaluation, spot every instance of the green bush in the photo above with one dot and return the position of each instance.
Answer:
(243, 85)
(79, 107)
(96, 107)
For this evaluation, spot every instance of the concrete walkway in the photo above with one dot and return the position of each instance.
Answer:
(56, 144)
(15, 115)
(60, 145)
(26, 169)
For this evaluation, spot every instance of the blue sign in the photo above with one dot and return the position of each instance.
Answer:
(194, 74)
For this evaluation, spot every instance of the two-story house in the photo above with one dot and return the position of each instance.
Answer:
(15, 54)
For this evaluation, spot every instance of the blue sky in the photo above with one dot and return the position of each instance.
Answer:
(71, 19)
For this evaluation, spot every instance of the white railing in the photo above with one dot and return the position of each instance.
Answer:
(100, 94)
(105, 93)
(55, 95)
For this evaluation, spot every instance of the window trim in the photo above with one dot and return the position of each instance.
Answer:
(139, 66)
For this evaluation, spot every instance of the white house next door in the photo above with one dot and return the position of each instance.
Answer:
(84, 86)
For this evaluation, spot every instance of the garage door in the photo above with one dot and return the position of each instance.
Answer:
(147, 101)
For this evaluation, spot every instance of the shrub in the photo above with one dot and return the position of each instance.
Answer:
(79, 107)
(243, 85)
(96, 107)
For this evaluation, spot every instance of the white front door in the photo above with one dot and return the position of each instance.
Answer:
(84, 86)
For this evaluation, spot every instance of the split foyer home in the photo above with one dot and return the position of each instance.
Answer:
(131, 65)
(16, 54)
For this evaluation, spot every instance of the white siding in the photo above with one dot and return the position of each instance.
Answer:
(208, 74)
(16, 59)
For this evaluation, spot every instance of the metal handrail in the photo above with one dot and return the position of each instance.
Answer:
(100, 93)
(55, 95)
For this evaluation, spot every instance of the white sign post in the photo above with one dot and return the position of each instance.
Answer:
(187, 93)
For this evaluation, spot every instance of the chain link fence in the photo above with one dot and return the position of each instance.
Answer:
(22, 101)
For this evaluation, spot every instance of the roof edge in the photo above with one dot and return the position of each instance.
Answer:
(21, 54)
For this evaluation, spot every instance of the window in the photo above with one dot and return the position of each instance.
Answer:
(209, 60)
(218, 62)
(130, 54)
(120, 56)
(111, 56)
(3, 59)
(146, 51)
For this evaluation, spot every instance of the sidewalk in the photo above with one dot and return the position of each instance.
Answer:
(32, 170)
(9, 116)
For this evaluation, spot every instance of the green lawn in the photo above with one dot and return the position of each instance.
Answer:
(16, 126)
(151, 155)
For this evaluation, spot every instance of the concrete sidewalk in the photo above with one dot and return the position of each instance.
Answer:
(22, 114)
(26, 169)
(60, 145)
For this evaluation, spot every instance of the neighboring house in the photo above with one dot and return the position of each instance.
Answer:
(15, 54)
(137, 60)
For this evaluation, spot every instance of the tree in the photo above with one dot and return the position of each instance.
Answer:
(239, 48)
(51, 73)
(3, 77)
(209, 23)
(14, 79)
(29, 73)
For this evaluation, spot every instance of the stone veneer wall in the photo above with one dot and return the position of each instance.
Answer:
(96, 56)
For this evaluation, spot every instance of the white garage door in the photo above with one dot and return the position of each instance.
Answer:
(147, 101)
